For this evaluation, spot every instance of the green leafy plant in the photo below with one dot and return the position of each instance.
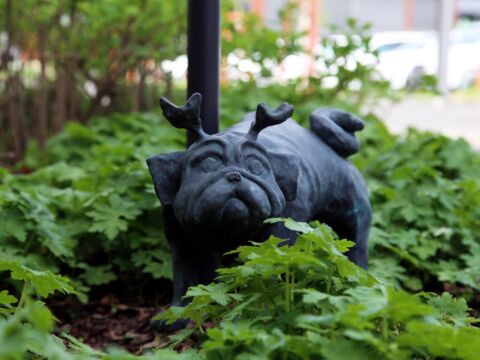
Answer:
(27, 325)
(308, 300)
(295, 302)
(426, 196)
(90, 209)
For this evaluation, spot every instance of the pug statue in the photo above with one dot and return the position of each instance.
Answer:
(217, 194)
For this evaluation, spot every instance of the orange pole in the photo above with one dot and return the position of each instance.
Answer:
(409, 8)
(258, 7)
(457, 12)
(313, 34)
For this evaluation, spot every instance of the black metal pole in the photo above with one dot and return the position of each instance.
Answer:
(204, 59)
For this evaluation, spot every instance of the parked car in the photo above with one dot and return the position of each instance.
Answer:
(405, 64)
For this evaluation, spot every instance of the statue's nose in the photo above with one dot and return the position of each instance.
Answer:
(233, 176)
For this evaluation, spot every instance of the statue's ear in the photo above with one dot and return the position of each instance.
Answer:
(166, 174)
(285, 168)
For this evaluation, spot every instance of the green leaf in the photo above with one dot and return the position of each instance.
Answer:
(44, 282)
(6, 301)
(99, 275)
(450, 310)
(218, 293)
(341, 349)
(111, 218)
(312, 296)
(41, 317)
(291, 224)
(442, 341)
(6, 298)
(12, 226)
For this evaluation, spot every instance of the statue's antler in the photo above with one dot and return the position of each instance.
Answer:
(266, 116)
(185, 117)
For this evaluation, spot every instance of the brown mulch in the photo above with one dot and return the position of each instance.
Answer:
(109, 322)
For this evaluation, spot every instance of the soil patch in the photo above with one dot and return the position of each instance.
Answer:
(111, 320)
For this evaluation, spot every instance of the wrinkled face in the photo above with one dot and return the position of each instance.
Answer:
(227, 185)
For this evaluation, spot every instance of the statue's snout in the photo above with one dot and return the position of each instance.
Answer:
(233, 176)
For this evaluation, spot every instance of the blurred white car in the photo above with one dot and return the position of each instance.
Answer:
(386, 41)
(405, 64)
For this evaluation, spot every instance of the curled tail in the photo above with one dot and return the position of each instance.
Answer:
(337, 128)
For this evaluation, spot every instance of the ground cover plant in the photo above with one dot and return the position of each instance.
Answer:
(426, 194)
(309, 301)
(299, 302)
(91, 210)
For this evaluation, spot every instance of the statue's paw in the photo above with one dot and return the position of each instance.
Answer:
(162, 326)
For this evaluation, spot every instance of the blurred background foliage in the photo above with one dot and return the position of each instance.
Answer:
(72, 59)
(69, 60)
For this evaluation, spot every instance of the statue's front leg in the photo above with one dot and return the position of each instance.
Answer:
(193, 263)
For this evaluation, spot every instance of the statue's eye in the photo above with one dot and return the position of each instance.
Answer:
(210, 163)
(255, 166)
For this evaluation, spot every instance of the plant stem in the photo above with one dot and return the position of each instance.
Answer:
(23, 296)
(292, 286)
(287, 288)
(198, 323)
(385, 328)
(262, 285)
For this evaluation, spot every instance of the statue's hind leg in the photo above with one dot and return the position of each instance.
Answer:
(356, 229)
(353, 224)
(351, 218)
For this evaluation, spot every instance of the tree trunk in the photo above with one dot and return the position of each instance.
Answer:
(14, 118)
(12, 90)
(141, 92)
(72, 90)
(136, 96)
(61, 108)
(72, 66)
(105, 88)
(41, 126)
(168, 84)
(138, 102)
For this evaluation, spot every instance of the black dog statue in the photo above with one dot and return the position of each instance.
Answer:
(216, 194)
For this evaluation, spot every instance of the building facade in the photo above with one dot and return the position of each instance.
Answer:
(385, 15)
